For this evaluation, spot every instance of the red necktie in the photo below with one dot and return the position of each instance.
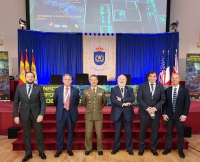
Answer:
(67, 102)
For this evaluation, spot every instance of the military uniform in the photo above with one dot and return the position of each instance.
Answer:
(94, 101)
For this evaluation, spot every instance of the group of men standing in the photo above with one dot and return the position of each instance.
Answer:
(173, 103)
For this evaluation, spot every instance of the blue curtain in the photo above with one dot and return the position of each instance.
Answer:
(61, 53)
(55, 53)
(137, 54)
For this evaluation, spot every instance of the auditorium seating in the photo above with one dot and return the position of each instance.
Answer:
(82, 79)
(49, 130)
(56, 79)
(102, 79)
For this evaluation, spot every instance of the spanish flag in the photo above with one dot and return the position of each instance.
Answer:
(27, 66)
(33, 67)
(22, 79)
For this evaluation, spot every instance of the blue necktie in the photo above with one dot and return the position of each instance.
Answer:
(174, 99)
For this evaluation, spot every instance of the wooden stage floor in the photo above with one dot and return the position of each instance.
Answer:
(192, 155)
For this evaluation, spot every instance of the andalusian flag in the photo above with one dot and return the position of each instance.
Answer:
(22, 79)
(27, 66)
(33, 67)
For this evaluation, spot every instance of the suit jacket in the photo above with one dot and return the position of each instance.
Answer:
(74, 101)
(117, 108)
(182, 103)
(94, 103)
(36, 104)
(145, 100)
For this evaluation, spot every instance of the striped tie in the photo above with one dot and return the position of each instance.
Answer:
(174, 99)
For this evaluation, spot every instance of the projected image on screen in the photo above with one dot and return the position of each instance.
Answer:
(99, 16)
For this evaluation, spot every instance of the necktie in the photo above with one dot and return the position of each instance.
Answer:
(151, 90)
(151, 87)
(122, 91)
(67, 102)
(93, 90)
(29, 91)
(174, 99)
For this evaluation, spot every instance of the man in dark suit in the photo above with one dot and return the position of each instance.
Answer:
(151, 98)
(122, 113)
(32, 102)
(94, 100)
(175, 111)
(66, 100)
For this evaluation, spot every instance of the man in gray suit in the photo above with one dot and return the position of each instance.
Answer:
(151, 97)
(32, 110)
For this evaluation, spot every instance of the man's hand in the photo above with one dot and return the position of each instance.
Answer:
(118, 98)
(16, 120)
(165, 117)
(182, 118)
(151, 110)
(127, 104)
(39, 118)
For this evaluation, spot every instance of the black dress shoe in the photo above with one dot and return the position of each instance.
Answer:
(130, 152)
(114, 152)
(26, 158)
(70, 153)
(87, 152)
(181, 154)
(100, 153)
(42, 155)
(58, 153)
(140, 152)
(154, 152)
(166, 151)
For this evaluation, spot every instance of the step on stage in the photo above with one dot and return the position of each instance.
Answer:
(49, 129)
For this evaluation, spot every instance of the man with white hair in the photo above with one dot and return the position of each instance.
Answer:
(122, 113)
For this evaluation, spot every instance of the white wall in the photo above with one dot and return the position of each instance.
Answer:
(10, 13)
(187, 12)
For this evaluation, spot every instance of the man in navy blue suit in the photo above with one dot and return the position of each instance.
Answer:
(175, 111)
(66, 100)
(122, 113)
(151, 97)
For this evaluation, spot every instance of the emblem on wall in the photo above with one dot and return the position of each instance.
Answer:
(99, 56)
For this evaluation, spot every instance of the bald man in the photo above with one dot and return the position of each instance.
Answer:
(122, 113)
(175, 111)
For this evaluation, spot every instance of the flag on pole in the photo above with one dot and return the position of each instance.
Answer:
(22, 79)
(161, 78)
(167, 75)
(27, 66)
(33, 67)
(175, 68)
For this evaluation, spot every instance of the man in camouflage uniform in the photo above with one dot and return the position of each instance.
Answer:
(94, 100)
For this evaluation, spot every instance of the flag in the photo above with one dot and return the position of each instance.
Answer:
(161, 78)
(175, 68)
(167, 74)
(22, 79)
(27, 66)
(33, 67)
